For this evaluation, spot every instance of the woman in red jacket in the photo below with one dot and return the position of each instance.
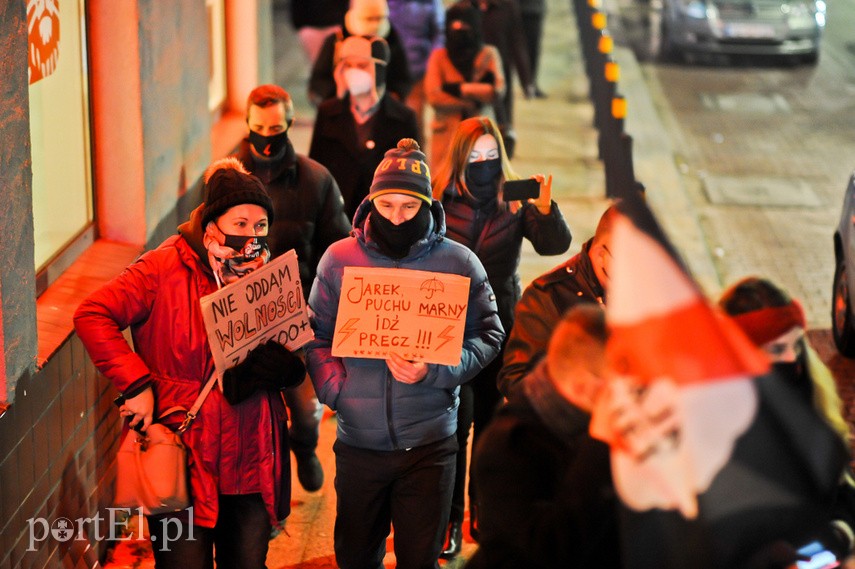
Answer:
(237, 447)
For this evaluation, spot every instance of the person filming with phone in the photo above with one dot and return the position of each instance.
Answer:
(491, 210)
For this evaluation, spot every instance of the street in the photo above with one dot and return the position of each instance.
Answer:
(763, 147)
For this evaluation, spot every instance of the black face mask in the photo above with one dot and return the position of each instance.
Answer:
(483, 172)
(795, 374)
(269, 146)
(483, 195)
(396, 240)
(247, 247)
(462, 48)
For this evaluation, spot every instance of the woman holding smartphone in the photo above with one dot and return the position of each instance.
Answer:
(472, 184)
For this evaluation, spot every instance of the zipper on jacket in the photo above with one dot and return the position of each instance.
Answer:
(389, 425)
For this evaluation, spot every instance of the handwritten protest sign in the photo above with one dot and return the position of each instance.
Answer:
(418, 315)
(266, 304)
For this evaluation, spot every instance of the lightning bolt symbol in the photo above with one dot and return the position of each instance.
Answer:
(444, 335)
(348, 329)
(266, 150)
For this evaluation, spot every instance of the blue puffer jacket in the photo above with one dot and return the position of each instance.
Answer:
(374, 410)
(420, 25)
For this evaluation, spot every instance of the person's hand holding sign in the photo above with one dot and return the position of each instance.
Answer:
(406, 371)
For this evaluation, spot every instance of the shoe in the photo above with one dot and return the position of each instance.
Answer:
(538, 94)
(309, 472)
(454, 542)
(474, 533)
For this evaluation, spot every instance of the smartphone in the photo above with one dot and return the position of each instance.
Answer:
(820, 557)
(520, 190)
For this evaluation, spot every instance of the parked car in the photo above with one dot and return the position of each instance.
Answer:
(842, 322)
(737, 27)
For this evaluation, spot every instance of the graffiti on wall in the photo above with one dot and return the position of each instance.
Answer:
(42, 38)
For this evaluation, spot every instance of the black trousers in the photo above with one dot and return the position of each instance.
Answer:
(533, 31)
(478, 402)
(241, 537)
(409, 489)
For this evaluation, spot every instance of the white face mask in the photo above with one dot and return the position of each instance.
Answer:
(359, 81)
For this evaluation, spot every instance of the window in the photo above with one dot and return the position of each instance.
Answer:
(59, 134)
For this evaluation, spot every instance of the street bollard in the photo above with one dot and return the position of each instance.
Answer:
(604, 95)
(612, 148)
(626, 172)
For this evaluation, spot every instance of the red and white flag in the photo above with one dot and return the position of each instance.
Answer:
(700, 448)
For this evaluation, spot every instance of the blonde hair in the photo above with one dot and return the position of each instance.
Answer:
(452, 169)
(825, 397)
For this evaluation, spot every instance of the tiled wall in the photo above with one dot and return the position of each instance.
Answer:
(57, 445)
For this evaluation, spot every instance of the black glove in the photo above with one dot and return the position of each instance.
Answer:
(452, 89)
(488, 77)
(270, 367)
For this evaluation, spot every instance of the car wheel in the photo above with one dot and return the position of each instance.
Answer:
(841, 313)
(811, 58)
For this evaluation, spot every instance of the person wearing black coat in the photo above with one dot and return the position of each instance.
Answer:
(367, 18)
(469, 184)
(533, 13)
(309, 218)
(545, 491)
(309, 208)
(503, 28)
(352, 132)
(314, 20)
(581, 279)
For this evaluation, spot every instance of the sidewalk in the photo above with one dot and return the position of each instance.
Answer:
(555, 136)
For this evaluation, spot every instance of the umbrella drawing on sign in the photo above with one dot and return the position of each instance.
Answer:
(712, 457)
(431, 286)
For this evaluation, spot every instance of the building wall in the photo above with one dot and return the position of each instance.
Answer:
(59, 437)
(174, 46)
(17, 273)
(57, 447)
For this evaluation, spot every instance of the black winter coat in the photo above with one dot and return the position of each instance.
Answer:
(542, 304)
(336, 146)
(546, 500)
(503, 28)
(399, 81)
(308, 208)
(496, 235)
(318, 13)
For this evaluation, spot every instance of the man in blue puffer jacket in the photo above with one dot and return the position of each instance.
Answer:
(396, 445)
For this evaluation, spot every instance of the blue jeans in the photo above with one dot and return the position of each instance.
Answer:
(241, 537)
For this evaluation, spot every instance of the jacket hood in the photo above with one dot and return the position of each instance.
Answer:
(436, 232)
(192, 232)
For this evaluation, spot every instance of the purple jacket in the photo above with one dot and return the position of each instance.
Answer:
(420, 25)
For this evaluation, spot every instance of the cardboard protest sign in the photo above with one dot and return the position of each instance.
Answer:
(266, 304)
(418, 315)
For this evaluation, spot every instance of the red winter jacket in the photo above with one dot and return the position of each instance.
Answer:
(232, 449)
